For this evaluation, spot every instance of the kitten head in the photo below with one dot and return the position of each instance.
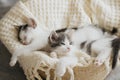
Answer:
(60, 42)
(25, 32)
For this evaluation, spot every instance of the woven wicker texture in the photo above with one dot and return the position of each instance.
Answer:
(57, 14)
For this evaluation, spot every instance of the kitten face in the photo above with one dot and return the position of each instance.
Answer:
(25, 36)
(25, 32)
(60, 42)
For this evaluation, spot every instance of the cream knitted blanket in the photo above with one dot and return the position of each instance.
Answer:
(56, 14)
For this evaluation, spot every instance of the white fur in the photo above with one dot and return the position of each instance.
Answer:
(102, 48)
(67, 61)
(87, 33)
(39, 37)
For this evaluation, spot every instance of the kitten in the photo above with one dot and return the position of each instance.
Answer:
(31, 36)
(100, 42)
(83, 36)
(62, 48)
(78, 36)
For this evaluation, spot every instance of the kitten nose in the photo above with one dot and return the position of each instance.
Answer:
(25, 43)
(68, 48)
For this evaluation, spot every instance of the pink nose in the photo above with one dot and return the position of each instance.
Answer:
(68, 48)
(25, 43)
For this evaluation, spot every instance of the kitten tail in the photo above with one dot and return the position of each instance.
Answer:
(115, 47)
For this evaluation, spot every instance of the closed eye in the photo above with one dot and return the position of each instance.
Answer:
(63, 43)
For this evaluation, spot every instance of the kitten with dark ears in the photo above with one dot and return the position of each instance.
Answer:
(62, 49)
(96, 41)
(31, 36)
(59, 43)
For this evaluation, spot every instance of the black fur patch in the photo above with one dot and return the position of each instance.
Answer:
(75, 28)
(103, 30)
(115, 48)
(64, 29)
(114, 30)
(61, 30)
(89, 47)
(58, 41)
(82, 44)
(35, 78)
(22, 27)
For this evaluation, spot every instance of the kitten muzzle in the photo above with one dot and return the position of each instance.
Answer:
(25, 43)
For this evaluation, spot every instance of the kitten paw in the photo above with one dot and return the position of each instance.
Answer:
(12, 63)
(60, 70)
(98, 62)
(60, 73)
(13, 60)
(53, 55)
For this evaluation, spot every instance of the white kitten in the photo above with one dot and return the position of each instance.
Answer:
(32, 36)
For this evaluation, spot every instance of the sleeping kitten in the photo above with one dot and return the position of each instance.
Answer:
(31, 36)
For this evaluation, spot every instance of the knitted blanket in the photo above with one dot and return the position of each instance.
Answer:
(57, 14)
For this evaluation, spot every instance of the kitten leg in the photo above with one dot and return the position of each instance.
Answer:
(13, 60)
(60, 69)
(53, 54)
(102, 57)
(70, 70)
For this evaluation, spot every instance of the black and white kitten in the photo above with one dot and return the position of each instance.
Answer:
(61, 48)
(33, 36)
(59, 43)
(68, 55)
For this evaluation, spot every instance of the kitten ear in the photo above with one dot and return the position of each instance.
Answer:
(32, 23)
(53, 37)
(16, 27)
